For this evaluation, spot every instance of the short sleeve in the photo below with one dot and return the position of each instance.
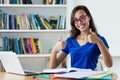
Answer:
(66, 49)
(104, 41)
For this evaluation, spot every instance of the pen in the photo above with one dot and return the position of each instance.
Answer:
(33, 77)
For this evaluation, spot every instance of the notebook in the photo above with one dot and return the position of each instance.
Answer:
(12, 64)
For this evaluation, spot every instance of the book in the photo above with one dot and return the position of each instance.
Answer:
(45, 76)
(63, 70)
(36, 22)
(107, 77)
(47, 23)
(20, 46)
(39, 22)
(100, 76)
(83, 74)
(18, 22)
(79, 74)
(43, 22)
(32, 21)
(5, 43)
(33, 45)
(23, 46)
(5, 20)
(51, 73)
(54, 22)
(16, 46)
(62, 22)
(23, 19)
(38, 45)
(1, 19)
(30, 46)
(26, 45)
(1, 44)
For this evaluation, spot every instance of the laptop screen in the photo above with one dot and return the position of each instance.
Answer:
(11, 63)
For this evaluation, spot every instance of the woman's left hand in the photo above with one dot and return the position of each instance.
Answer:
(92, 37)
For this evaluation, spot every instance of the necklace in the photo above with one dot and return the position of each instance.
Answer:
(82, 41)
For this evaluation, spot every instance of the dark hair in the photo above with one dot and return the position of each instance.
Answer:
(74, 31)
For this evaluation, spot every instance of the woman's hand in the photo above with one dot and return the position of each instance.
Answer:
(60, 44)
(92, 37)
(56, 59)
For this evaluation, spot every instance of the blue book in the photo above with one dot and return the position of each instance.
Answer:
(103, 77)
(109, 77)
(5, 42)
(16, 46)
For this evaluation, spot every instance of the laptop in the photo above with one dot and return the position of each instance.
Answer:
(12, 64)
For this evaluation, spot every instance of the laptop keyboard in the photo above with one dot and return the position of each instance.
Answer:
(28, 72)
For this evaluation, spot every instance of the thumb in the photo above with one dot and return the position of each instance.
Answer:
(60, 38)
(91, 32)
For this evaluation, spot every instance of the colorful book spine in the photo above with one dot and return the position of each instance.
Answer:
(30, 45)
(33, 44)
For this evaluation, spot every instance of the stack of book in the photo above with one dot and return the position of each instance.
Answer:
(79, 74)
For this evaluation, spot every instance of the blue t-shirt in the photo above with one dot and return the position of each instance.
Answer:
(85, 56)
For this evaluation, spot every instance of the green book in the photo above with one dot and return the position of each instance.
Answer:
(45, 76)
(101, 75)
(104, 76)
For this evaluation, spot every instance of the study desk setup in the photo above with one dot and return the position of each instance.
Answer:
(16, 72)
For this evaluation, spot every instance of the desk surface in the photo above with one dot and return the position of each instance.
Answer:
(8, 76)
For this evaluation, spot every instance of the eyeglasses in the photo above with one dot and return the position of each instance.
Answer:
(81, 19)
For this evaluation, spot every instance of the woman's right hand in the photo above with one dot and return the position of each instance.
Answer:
(60, 44)
(56, 59)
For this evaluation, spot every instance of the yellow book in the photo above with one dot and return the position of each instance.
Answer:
(43, 22)
(100, 75)
(33, 44)
(47, 23)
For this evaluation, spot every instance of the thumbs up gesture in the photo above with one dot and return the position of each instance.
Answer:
(60, 44)
(92, 37)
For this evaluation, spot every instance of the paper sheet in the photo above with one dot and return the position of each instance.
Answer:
(79, 75)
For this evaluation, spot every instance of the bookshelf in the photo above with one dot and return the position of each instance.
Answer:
(47, 37)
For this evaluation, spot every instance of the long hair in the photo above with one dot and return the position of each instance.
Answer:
(74, 31)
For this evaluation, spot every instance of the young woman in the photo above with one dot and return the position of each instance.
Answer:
(84, 45)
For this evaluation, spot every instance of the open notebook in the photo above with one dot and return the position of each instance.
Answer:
(12, 64)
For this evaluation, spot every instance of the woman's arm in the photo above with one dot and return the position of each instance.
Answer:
(56, 58)
(105, 53)
(93, 38)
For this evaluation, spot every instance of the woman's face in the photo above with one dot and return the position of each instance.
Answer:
(81, 20)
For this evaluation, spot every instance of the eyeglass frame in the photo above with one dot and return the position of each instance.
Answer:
(80, 19)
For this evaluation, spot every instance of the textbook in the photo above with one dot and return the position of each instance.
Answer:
(106, 75)
(78, 74)
(63, 70)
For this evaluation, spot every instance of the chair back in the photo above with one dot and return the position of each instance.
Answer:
(101, 65)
